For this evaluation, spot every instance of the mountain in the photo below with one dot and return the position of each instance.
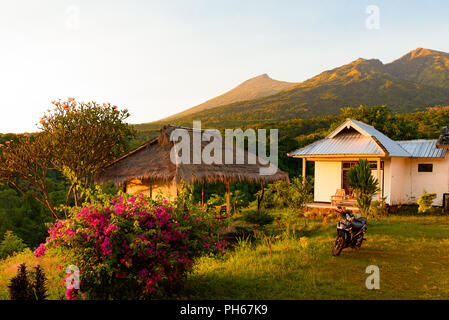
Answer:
(415, 81)
(257, 87)
(424, 66)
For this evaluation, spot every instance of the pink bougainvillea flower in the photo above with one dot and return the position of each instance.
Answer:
(40, 251)
(70, 294)
(135, 238)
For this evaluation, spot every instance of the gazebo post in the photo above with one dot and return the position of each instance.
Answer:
(379, 193)
(228, 196)
(304, 163)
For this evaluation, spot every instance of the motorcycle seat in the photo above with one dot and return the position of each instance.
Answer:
(358, 223)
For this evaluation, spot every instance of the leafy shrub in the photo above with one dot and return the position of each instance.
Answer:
(236, 198)
(425, 202)
(11, 244)
(20, 287)
(364, 184)
(283, 195)
(260, 218)
(40, 283)
(378, 208)
(216, 200)
(134, 247)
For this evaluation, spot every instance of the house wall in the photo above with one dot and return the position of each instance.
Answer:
(387, 181)
(402, 184)
(436, 181)
(381, 182)
(397, 175)
(167, 190)
(327, 180)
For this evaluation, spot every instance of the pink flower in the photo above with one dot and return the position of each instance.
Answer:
(40, 251)
(110, 228)
(119, 208)
(70, 294)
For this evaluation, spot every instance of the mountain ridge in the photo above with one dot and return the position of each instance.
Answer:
(416, 80)
(253, 88)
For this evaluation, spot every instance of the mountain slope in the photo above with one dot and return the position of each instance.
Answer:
(257, 87)
(424, 66)
(417, 80)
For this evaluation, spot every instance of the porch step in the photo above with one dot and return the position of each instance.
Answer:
(327, 208)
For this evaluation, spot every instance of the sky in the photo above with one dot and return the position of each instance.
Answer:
(157, 58)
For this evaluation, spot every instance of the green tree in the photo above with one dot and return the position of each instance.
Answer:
(11, 244)
(76, 139)
(281, 194)
(364, 185)
(84, 137)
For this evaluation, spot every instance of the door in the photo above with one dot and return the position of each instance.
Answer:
(350, 164)
(345, 180)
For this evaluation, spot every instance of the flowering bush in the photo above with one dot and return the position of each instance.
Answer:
(425, 202)
(134, 247)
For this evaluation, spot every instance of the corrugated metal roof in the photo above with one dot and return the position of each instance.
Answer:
(341, 145)
(393, 148)
(422, 148)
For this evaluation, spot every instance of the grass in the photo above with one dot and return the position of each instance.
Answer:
(411, 252)
(52, 263)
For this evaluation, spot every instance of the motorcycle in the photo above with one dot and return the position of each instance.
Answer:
(350, 231)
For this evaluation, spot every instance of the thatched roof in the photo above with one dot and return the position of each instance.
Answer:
(443, 141)
(151, 161)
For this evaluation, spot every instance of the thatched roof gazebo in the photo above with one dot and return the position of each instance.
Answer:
(150, 168)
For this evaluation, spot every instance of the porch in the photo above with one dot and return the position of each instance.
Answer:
(325, 208)
(331, 178)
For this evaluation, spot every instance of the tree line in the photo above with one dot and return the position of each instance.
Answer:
(44, 172)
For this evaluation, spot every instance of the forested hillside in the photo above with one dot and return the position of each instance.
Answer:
(18, 213)
(417, 80)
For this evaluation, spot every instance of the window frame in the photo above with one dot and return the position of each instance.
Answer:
(422, 166)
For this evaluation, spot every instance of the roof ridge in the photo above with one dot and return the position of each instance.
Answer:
(412, 140)
(384, 135)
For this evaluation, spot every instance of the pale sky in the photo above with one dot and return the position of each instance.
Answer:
(157, 58)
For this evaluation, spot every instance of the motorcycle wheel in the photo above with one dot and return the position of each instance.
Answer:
(359, 242)
(338, 246)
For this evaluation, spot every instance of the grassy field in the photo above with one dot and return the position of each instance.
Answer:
(411, 252)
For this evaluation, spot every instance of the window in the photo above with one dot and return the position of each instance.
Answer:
(425, 167)
(373, 165)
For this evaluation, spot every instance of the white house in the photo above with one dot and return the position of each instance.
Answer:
(404, 169)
